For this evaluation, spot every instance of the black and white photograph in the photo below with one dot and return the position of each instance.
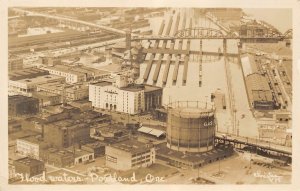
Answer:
(109, 95)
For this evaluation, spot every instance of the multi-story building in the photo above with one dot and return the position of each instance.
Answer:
(58, 158)
(22, 105)
(28, 166)
(75, 74)
(14, 63)
(65, 71)
(14, 125)
(121, 97)
(27, 73)
(71, 92)
(46, 99)
(49, 60)
(153, 97)
(74, 129)
(82, 156)
(27, 86)
(98, 148)
(31, 146)
(129, 154)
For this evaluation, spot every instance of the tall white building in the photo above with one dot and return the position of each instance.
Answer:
(117, 96)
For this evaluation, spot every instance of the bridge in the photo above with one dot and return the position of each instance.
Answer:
(210, 33)
(71, 20)
(254, 143)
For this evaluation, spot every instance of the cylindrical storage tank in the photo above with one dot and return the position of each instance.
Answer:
(190, 129)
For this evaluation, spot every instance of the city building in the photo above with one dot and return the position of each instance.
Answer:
(123, 97)
(46, 98)
(283, 117)
(83, 105)
(259, 92)
(31, 146)
(70, 75)
(82, 156)
(57, 158)
(71, 92)
(73, 129)
(153, 97)
(110, 132)
(77, 73)
(98, 148)
(14, 125)
(33, 124)
(58, 112)
(21, 105)
(27, 86)
(129, 154)
(28, 166)
(14, 63)
(32, 72)
(49, 60)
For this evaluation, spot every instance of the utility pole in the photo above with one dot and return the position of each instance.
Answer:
(198, 171)
(219, 166)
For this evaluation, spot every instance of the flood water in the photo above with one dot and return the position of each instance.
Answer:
(213, 76)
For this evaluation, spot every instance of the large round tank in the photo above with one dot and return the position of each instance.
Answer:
(190, 128)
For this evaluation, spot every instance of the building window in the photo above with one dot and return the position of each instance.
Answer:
(111, 159)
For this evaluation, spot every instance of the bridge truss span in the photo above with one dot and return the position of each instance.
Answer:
(199, 32)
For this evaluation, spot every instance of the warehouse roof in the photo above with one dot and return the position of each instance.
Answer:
(132, 146)
(151, 131)
(256, 81)
(29, 161)
(258, 88)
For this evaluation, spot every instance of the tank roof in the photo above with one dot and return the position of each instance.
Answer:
(192, 112)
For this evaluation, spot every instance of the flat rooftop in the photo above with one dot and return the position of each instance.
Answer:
(79, 152)
(29, 161)
(40, 79)
(27, 71)
(63, 68)
(20, 98)
(102, 83)
(43, 94)
(95, 145)
(163, 150)
(132, 146)
(139, 87)
(61, 86)
(37, 139)
(77, 69)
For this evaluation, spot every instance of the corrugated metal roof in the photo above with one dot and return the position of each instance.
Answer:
(256, 81)
(258, 88)
(151, 131)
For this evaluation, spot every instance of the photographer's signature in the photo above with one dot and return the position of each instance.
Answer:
(273, 178)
